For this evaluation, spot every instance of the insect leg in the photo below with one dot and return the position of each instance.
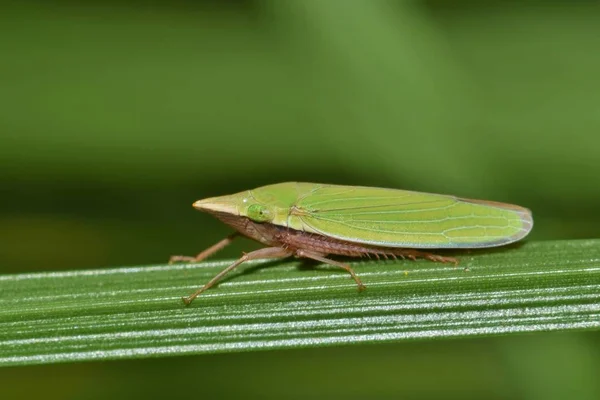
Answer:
(320, 257)
(414, 254)
(268, 252)
(206, 253)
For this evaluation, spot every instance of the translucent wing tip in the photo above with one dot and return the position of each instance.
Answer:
(527, 223)
(524, 215)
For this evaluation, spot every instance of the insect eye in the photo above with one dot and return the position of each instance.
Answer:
(259, 213)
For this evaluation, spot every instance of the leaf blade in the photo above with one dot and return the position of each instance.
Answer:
(136, 312)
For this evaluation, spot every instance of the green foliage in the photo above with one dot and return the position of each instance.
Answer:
(136, 312)
(116, 116)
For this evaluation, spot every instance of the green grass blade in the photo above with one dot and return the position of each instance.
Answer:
(137, 312)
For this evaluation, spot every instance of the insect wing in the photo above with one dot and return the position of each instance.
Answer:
(399, 218)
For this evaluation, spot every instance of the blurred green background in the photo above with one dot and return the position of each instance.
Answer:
(116, 115)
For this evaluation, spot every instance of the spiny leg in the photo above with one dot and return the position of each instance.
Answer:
(414, 254)
(321, 257)
(268, 252)
(206, 253)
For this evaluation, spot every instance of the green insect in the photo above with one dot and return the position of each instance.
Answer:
(309, 220)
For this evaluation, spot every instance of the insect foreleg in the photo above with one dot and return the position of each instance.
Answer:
(206, 253)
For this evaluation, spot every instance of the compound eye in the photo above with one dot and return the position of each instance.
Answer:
(259, 213)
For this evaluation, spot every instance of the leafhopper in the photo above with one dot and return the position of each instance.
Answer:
(310, 220)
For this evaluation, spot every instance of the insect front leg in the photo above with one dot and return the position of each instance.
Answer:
(301, 253)
(206, 253)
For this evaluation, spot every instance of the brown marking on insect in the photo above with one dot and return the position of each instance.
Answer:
(285, 242)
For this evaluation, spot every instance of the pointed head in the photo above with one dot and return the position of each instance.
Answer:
(222, 204)
(240, 204)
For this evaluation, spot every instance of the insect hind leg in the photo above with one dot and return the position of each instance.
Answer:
(414, 254)
(321, 257)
